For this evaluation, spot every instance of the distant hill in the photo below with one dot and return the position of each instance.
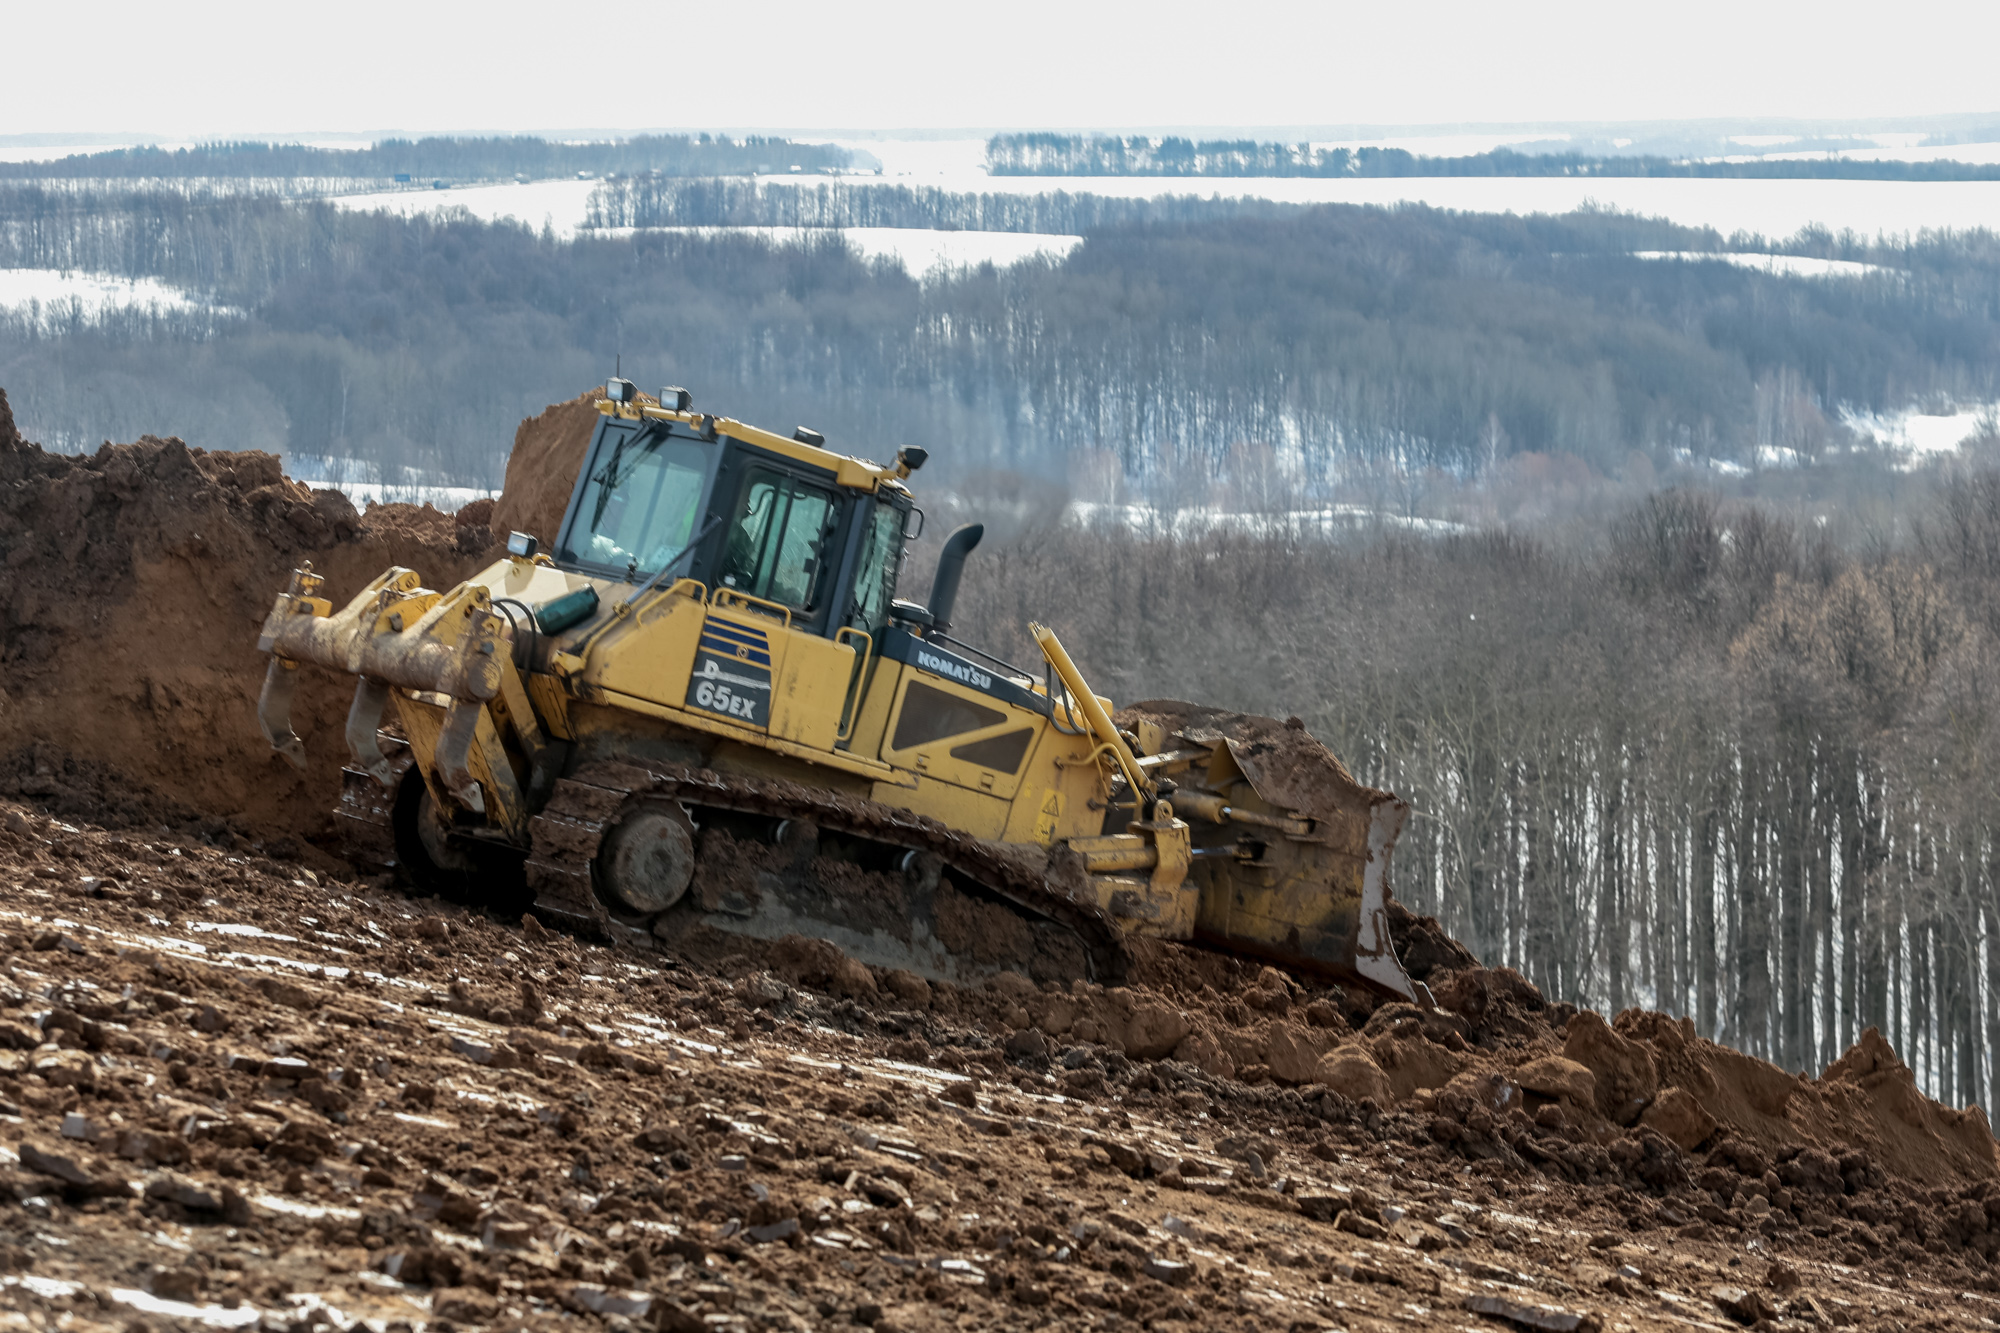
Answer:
(453, 159)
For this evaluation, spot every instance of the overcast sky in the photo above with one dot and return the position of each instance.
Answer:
(208, 68)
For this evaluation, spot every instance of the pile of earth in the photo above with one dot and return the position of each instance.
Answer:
(136, 581)
(541, 470)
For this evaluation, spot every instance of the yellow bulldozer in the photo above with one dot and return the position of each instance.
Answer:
(706, 704)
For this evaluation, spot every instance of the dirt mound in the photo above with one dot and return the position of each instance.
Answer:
(136, 580)
(541, 472)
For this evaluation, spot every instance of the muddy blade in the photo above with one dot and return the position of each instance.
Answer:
(364, 821)
(1315, 901)
(773, 859)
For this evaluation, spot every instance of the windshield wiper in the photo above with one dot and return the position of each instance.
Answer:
(610, 479)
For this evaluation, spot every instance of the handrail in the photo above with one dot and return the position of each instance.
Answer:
(1084, 698)
(734, 594)
(939, 636)
(850, 707)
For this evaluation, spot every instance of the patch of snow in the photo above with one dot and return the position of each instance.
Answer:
(1790, 266)
(1918, 433)
(561, 204)
(1193, 521)
(450, 499)
(214, 1316)
(279, 1204)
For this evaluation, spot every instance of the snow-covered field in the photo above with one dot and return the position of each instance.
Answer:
(1774, 209)
(560, 203)
(564, 206)
(92, 294)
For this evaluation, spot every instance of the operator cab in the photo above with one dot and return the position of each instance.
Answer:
(788, 526)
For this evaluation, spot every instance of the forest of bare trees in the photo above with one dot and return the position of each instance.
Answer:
(1694, 758)
(1045, 154)
(454, 158)
(1352, 340)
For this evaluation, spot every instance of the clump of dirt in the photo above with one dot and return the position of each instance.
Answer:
(137, 578)
(541, 472)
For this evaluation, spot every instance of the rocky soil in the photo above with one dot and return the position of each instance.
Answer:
(238, 1091)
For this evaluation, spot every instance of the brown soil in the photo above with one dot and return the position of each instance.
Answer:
(541, 472)
(494, 1126)
(346, 1105)
(135, 581)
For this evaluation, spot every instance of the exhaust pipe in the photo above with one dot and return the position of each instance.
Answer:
(951, 564)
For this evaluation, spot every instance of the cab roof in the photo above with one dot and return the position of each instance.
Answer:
(858, 474)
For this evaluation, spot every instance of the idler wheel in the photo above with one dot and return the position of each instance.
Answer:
(647, 860)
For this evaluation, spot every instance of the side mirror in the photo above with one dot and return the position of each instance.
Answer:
(913, 524)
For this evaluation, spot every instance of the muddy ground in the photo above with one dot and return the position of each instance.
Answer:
(237, 1091)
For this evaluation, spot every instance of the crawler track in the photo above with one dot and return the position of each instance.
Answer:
(777, 858)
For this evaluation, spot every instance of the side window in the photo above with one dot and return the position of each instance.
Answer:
(775, 539)
(930, 714)
(875, 574)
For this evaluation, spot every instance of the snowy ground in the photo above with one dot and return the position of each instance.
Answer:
(1923, 434)
(563, 205)
(1791, 266)
(93, 294)
(1195, 521)
(559, 203)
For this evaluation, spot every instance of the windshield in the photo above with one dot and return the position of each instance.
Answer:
(640, 503)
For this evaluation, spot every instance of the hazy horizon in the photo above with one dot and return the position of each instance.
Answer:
(235, 69)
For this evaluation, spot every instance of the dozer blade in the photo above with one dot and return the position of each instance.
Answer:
(1291, 853)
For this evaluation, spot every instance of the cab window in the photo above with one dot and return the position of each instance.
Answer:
(777, 538)
(875, 572)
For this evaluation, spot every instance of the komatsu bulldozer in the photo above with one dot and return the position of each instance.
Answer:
(705, 704)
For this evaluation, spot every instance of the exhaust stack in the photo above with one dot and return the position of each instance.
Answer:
(951, 564)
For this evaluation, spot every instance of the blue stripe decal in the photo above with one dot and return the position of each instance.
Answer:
(756, 638)
(735, 651)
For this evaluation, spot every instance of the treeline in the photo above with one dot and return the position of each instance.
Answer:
(663, 202)
(1344, 342)
(1042, 154)
(449, 158)
(1693, 757)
